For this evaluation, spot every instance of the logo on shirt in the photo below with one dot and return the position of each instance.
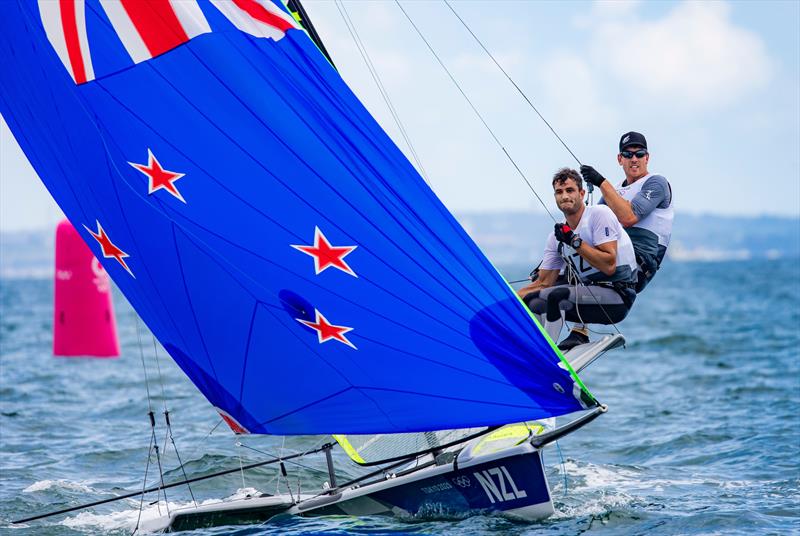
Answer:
(608, 233)
(648, 194)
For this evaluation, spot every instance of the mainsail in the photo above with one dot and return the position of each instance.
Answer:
(269, 233)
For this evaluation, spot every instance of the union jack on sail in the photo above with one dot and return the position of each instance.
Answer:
(149, 28)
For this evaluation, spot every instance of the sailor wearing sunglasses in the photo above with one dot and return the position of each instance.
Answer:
(642, 203)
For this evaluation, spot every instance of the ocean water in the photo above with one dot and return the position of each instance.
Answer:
(702, 435)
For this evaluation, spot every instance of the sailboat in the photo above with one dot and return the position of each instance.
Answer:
(287, 255)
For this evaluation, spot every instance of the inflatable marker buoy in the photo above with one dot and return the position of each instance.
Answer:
(83, 324)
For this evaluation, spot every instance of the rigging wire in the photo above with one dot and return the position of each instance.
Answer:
(198, 446)
(575, 279)
(161, 474)
(474, 109)
(241, 465)
(281, 469)
(563, 467)
(148, 490)
(589, 186)
(144, 368)
(144, 486)
(524, 96)
(153, 441)
(362, 49)
(168, 423)
(265, 453)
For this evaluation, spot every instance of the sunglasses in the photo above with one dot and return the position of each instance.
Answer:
(641, 153)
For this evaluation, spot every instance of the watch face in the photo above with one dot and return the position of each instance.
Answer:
(576, 242)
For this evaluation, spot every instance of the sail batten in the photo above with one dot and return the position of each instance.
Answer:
(284, 251)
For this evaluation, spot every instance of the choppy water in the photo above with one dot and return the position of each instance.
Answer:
(702, 436)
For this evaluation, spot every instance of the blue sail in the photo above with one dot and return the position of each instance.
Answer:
(270, 234)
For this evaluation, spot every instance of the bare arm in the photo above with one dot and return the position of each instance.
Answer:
(622, 208)
(546, 279)
(602, 257)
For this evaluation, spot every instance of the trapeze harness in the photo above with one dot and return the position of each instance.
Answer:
(613, 295)
(622, 281)
(650, 235)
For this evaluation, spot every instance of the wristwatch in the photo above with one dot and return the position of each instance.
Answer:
(576, 242)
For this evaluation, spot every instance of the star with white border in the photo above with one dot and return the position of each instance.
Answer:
(234, 425)
(158, 177)
(325, 255)
(108, 249)
(327, 331)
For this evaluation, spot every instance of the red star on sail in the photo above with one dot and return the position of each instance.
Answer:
(108, 249)
(158, 177)
(327, 331)
(327, 256)
(237, 428)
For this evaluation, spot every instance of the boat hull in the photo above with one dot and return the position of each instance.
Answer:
(237, 512)
(511, 481)
(512, 484)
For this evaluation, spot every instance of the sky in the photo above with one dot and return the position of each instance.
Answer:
(714, 86)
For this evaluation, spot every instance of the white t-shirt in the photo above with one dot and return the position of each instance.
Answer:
(598, 226)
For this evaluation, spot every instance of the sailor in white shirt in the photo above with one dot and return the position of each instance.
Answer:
(642, 202)
(588, 270)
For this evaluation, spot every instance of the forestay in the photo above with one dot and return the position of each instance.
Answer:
(270, 234)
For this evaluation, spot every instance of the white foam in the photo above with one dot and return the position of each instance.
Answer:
(597, 505)
(122, 519)
(737, 484)
(620, 478)
(597, 489)
(63, 484)
(243, 493)
(127, 519)
(601, 477)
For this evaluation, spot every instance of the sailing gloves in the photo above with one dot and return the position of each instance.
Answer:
(591, 176)
(564, 233)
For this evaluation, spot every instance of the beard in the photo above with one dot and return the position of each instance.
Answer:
(569, 210)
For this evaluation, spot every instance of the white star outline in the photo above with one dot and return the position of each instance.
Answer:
(102, 232)
(150, 189)
(318, 317)
(318, 234)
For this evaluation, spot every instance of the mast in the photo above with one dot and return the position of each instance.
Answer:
(301, 16)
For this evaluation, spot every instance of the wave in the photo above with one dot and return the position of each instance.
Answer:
(128, 519)
(43, 485)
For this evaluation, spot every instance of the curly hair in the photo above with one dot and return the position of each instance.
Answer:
(565, 173)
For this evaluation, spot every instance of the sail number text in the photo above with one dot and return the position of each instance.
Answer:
(498, 485)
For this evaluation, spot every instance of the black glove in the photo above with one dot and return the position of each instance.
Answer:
(564, 233)
(591, 175)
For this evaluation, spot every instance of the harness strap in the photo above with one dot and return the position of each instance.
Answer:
(625, 289)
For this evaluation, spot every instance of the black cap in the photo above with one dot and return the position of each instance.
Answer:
(632, 138)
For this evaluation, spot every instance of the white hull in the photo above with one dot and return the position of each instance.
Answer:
(511, 481)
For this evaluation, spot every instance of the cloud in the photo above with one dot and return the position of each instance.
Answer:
(571, 93)
(512, 60)
(695, 54)
(615, 9)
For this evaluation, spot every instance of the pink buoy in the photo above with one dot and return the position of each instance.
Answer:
(84, 323)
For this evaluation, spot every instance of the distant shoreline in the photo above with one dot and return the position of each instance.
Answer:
(514, 239)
